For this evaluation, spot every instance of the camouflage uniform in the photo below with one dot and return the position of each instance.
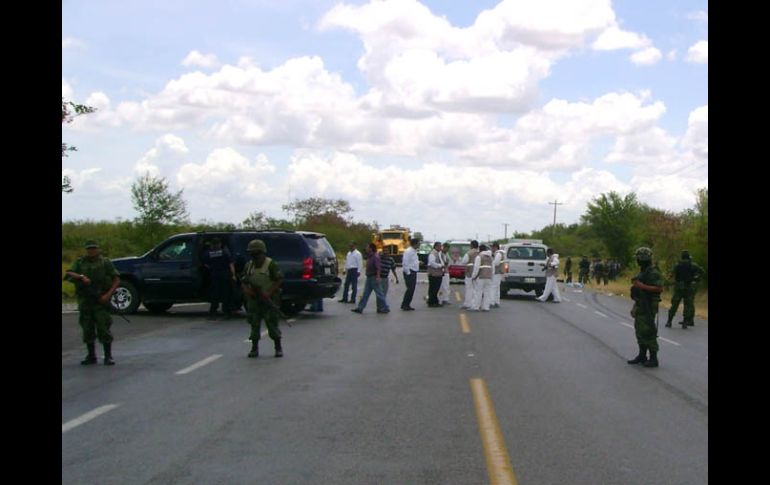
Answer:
(94, 318)
(260, 279)
(584, 266)
(645, 310)
(686, 275)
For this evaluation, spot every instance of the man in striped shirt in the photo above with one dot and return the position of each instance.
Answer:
(387, 265)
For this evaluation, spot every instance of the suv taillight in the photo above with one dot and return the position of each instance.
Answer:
(307, 268)
(505, 267)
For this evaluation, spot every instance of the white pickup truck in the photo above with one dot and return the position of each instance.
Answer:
(523, 266)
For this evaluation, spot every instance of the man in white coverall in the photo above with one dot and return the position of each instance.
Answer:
(497, 264)
(468, 260)
(443, 295)
(482, 276)
(551, 270)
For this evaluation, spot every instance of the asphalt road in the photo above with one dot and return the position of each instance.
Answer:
(535, 392)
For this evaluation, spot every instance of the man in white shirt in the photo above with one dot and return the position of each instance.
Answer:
(353, 265)
(435, 273)
(410, 265)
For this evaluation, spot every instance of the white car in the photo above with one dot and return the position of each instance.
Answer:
(523, 266)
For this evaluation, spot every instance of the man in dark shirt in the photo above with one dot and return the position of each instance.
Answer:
(373, 270)
(219, 263)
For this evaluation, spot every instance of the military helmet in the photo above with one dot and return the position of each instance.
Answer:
(256, 245)
(643, 254)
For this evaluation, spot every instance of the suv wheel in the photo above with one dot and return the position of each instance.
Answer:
(125, 299)
(539, 292)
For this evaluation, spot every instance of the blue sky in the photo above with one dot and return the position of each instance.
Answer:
(451, 118)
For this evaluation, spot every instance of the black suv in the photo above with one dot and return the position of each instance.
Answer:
(172, 272)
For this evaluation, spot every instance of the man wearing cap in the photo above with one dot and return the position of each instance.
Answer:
(645, 291)
(219, 263)
(261, 282)
(95, 280)
(686, 275)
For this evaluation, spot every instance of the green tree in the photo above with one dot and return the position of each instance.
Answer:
(304, 209)
(615, 220)
(69, 111)
(156, 204)
(256, 221)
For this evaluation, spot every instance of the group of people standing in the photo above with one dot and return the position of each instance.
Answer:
(96, 280)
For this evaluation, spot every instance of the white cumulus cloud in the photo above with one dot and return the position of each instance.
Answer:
(646, 57)
(699, 52)
(206, 61)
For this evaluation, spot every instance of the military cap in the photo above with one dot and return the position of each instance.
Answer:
(643, 254)
(91, 244)
(256, 245)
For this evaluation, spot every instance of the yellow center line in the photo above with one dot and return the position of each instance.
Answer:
(498, 463)
(464, 323)
(457, 297)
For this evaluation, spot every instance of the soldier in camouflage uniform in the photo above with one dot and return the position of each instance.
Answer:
(686, 275)
(261, 281)
(645, 291)
(584, 266)
(95, 280)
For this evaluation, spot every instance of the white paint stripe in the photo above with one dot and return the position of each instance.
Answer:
(291, 320)
(627, 325)
(601, 314)
(203, 362)
(565, 299)
(669, 341)
(581, 305)
(87, 417)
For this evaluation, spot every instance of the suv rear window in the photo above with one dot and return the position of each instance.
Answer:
(284, 247)
(319, 246)
(525, 252)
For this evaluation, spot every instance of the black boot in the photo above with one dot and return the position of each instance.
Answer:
(108, 354)
(668, 322)
(254, 348)
(91, 357)
(278, 349)
(653, 361)
(641, 358)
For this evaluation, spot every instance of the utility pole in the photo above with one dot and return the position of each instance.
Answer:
(506, 231)
(555, 203)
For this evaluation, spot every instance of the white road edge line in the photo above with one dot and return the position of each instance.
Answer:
(72, 423)
(203, 362)
(581, 305)
(626, 324)
(601, 314)
(669, 341)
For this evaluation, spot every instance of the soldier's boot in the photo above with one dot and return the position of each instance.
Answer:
(91, 357)
(278, 349)
(641, 358)
(254, 349)
(653, 360)
(108, 354)
(683, 324)
(668, 322)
